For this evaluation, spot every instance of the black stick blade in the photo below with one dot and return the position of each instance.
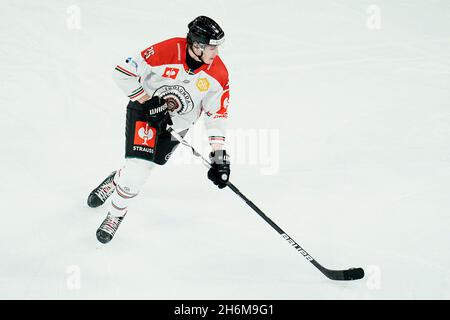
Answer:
(343, 275)
(354, 274)
(340, 275)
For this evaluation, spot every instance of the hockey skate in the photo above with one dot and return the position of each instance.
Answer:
(108, 228)
(99, 195)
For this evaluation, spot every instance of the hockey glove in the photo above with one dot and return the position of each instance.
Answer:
(157, 114)
(220, 168)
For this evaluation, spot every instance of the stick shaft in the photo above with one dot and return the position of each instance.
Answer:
(350, 274)
(248, 202)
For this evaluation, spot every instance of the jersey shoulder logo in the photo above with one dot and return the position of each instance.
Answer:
(203, 84)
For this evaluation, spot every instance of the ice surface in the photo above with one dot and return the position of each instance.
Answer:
(356, 97)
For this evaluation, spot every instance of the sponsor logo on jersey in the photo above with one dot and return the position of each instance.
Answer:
(144, 135)
(170, 73)
(167, 157)
(177, 98)
(203, 84)
(224, 102)
(143, 149)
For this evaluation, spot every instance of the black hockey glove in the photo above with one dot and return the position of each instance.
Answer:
(220, 168)
(157, 114)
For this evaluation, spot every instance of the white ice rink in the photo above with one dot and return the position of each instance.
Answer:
(346, 108)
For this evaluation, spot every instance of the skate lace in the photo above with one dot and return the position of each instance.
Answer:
(111, 224)
(104, 192)
(106, 189)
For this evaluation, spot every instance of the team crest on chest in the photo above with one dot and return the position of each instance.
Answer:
(203, 84)
(177, 98)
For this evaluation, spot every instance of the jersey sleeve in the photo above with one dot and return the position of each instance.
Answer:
(127, 76)
(215, 106)
(129, 72)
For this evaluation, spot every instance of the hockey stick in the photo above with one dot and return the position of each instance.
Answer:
(349, 274)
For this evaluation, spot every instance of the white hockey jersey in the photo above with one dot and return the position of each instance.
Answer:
(162, 70)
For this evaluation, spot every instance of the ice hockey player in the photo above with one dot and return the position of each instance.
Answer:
(171, 83)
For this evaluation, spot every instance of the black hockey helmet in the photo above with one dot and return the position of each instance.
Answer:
(205, 30)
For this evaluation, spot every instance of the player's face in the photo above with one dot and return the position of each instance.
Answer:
(209, 53)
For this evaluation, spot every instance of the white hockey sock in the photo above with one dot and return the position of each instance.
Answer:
(129, 181)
